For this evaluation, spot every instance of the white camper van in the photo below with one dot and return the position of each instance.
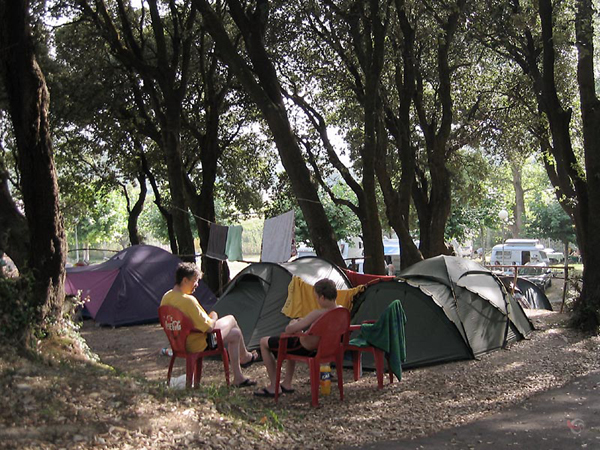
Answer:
(518, 252)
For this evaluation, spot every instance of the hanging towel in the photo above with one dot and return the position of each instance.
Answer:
(301, 299)
(233, 247)
(216, 242)
(386, 334)
(278, 234)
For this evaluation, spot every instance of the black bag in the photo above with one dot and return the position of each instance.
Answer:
(211, 340)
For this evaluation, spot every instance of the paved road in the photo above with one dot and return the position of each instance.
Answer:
(559, 419)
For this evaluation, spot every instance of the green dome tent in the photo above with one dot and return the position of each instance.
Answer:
(257, 294)
(455, 309)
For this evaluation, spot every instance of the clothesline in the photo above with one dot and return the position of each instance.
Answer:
(199, 217)
(195, 255)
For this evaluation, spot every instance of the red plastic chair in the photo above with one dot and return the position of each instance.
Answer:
(178, 327)
(357, 352)
(331, 328)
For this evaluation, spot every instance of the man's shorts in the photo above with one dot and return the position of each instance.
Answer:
(294, 347)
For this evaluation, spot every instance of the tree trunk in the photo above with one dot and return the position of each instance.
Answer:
(171, 131)
(397, 201)
(14, 234)
(266, 93)
(587, 310)
(29, 104)
(159, 203)
(134, 213)
(432, 195)
(519, 211)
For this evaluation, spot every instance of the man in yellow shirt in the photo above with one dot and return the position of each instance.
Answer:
(180, 297)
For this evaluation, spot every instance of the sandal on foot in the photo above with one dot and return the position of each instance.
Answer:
(287, 391)
(246, 383)
(253, 359)
(264, 393)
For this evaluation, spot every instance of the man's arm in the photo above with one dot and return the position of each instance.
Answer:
(298, 325)
(214, 316)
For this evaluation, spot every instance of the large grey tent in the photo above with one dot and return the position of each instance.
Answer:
(127, 288)
(455, 309)
(258, 293)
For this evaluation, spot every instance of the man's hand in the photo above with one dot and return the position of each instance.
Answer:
(213, 315)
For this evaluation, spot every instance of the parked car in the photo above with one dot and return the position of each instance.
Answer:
(538, 273)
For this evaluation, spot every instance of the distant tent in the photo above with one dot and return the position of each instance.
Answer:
(532, 296)
(258, 293)
(127, 288)
(455, 309)
(357, 278)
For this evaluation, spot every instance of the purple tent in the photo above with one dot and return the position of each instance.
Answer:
(127, 288)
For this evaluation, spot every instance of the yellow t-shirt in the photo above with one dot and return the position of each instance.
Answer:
(188, 305)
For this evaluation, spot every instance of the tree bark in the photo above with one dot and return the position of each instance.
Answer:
(587, 310)
(519, 211)
(29, 104)
(134, 213)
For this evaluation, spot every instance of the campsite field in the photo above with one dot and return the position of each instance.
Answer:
(123, 403)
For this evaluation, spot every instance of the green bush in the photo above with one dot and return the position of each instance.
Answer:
(17, 315)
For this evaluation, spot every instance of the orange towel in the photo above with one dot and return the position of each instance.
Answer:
(301, 299)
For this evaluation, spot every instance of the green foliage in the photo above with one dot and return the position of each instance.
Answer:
(18, 314)
(549, 220)
(476, 196)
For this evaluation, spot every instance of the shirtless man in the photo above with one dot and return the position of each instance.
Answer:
(325, 293)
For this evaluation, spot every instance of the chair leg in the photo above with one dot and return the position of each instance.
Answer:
(189, 372)
(170, 369)
(278, 375)
(390, 371)
(379, 368)
(313, 368)
(225, 357)
(339, 365)
(198, 373)
(357, 364)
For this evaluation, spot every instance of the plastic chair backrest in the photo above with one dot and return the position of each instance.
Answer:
(177, 327)
(331, 328)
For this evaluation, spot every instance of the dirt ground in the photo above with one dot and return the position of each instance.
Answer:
(59, 404)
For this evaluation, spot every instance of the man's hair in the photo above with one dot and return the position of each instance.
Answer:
(326, 288)
(186, 270)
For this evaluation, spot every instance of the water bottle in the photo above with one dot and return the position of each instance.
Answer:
(166, 351)
(325, 381)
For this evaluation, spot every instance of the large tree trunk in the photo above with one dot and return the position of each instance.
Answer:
(587, 311)
(397, 201)
(29, 103)
(266, 93)
(432, 195)
(215, 272)
(171, 131)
